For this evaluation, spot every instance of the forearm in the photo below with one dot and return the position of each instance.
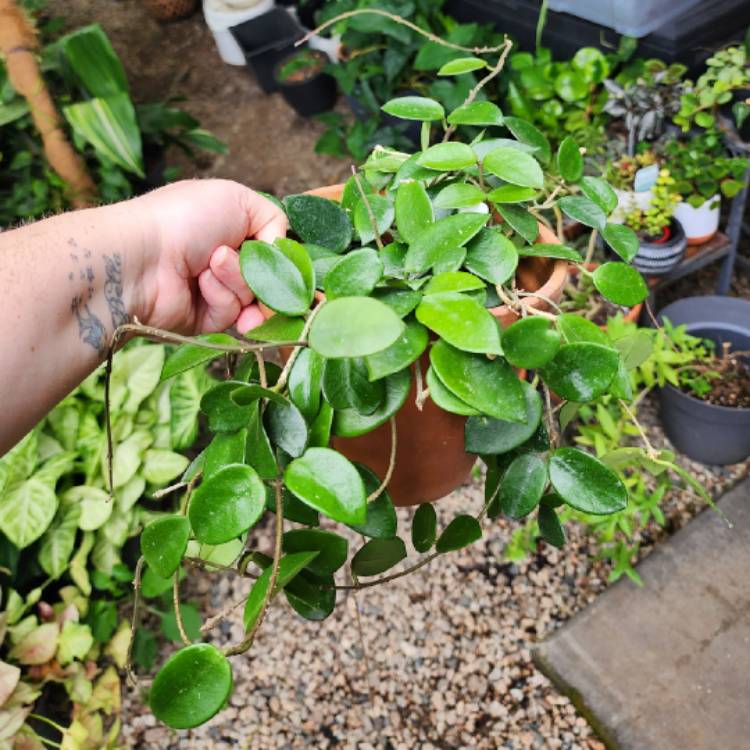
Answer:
(66, 283)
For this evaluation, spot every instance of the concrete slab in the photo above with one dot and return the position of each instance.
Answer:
(667, 667)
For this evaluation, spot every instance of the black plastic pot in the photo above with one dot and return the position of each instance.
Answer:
(658, 258)
(265, 40)
(311, 96)
(708, 433)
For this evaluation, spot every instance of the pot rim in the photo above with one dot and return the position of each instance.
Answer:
(742, 410)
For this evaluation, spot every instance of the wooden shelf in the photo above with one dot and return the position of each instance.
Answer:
(696, 256)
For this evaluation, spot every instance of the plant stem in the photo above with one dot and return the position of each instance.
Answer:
(631, 414)
(51, 723)
(419, 385)
(559, 219)
(369, 584)
(176, 605)
(391, 464)
(281, 382)
(591, 247)
(247, 641)
(548, 300)
(130, 674)
(370, 214)
(166, 490)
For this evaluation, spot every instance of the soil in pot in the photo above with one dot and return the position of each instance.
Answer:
(304, 84)
(725, 382)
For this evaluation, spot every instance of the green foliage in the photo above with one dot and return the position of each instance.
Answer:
(652, 221)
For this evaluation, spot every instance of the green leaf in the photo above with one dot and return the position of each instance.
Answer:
(329, 483)
(163, 543)
(424, 527)
(187, 356)
(310, 597)
(550, 527)
(441, 237)
(191, 687)
(581, 372)
(623, 240)
(522, 485)
(305, 380)
(490, 386)
(287, 428)
(274, 278)
(290, 566)
(414, 108)
(92, 58)
(226, 504)
(461, 65)
(447, 157)
(109, 125)
(569, 160)
(484, 435)
(461, 321)
(278, 328)
(571, 86)
(185, 404)
(575, 328)
(381, 522)
(354, 327)
(531, 136)
(531, 342)
(512, 194)
(458, 195)
(354, 274)
(520, 220)
(95, 504)
(635, 348)
(383, 212)
(492, 256)
(58, 542)
(600, 192)
(454, 281)
(351, 423)
(320, 430)
(401, 301)
(550, 250)
(481, 114)
(332, 549)
(319, 221)
(460, 532)
(74, 642)
(620, 283)
(515, 167)
(444, 398)
(377, 556)
(406, 349)
(585, 483)
(300, 256)
(583, 210)
(229, 404)
(413, 210)
(161, 466)
(26, 510)
(258, 451)
(153, 585)
(346, 383)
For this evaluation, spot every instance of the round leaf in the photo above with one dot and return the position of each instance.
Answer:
(520, 220)
(354, 274)
(305, 381)
(191, 687)
(274, 278)
(620, 283)
(382, 211)
(550, 527)
(530, 342)
(623, 240)
(460, 532)
(309, 597)
(515, 167)
(441, 237)
(446, 157)
(163, 543)
(550, 250)
(575, 328)
(444, 398)
(354, 327)
(481, 114)
(287, 427)
(512, 194)
(599, 191)
(424, 527)
(414, 108)
(226, 504)
(581, 209)
(454, 281)
(522, 485)
(346, 383)
(413, 210)
(459, 195)
(569, 160)
(382, 522)
(581, 372)
(377, 556)
(492, 256)
(318, 221)
(329, 483)
(406, 349)
(332, 549)
(530, 135)
(461, 65)
(585, 483)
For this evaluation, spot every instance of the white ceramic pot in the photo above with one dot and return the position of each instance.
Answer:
(221, 15)
(700, 224)
(627, 201)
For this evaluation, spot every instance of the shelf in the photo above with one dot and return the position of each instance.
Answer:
(696, 257)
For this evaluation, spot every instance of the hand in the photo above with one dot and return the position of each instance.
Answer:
(191, 281)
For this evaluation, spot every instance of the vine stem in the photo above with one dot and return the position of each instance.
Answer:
(591, 246)
(631, 414)
(281, 382)
(397, 19)
(369, 584)
(166, 490)
(391, 463)
(544, 297)
(212, 622)
(247, 641)
(176, 605)
(132, 679)
(50, 722)
(370, 214)
(422, 393)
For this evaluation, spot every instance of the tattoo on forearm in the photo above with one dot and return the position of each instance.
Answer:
(91, 329)
(113, 290)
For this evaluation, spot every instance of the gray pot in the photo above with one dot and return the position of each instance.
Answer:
(660, 258)
(708, 433)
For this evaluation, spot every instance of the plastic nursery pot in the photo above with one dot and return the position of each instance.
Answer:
(308, 90)
(169, 10)
(660, 257)
(222, 15)
(430, 458)
(706, 432)
(699, 224)
(630, 314)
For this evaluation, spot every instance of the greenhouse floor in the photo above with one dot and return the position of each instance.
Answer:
(449, 648)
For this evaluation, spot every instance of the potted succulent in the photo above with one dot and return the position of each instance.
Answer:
(705, 384)
(703, 173)
(304, 83)
(621, 174)
(396, 292)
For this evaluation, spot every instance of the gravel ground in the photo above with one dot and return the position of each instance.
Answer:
(448, 649)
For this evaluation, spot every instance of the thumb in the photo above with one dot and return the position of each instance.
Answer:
(267, 221)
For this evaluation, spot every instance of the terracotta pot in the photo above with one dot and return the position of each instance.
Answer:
(170, 10)
(633, 314)
(430, 457)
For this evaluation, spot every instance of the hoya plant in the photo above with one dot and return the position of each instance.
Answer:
(408, 286)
